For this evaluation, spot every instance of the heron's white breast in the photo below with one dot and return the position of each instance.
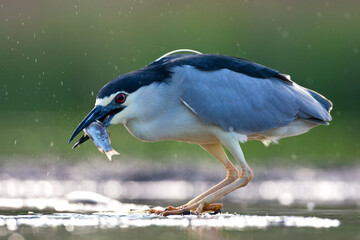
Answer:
(175, 123)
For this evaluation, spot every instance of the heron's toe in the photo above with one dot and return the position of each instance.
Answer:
(177, 212)
(171, 208)
(156, 211)
(213, 207)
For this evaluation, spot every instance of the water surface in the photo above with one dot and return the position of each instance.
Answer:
(130, 222)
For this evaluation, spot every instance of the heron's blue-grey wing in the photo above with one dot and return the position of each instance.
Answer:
(245, 104)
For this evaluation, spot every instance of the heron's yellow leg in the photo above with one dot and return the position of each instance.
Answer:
(245, 176)
(202, 205)
(217, 151)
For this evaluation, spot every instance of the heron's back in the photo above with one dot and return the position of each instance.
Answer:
(249, 105)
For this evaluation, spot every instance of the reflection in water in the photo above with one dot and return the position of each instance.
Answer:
(116, 220)
(88, 210)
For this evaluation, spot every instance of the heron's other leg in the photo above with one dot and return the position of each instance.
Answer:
(232, 144)
(245, 176)
(217, 151)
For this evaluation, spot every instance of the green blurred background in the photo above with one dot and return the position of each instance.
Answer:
(56, 55)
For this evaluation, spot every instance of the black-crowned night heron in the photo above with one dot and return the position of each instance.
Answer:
(211, 100)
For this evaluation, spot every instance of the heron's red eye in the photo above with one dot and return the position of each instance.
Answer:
(120, 98)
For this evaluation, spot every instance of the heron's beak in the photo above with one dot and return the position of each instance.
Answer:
(100, 113)
(95, 114)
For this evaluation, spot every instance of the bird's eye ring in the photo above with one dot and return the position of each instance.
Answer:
(120, 98)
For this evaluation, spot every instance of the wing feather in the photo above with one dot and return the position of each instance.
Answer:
(244, 104)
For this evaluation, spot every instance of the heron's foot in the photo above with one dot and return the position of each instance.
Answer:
(193, 209)
(169, 208)
(215, 208)
(156, 211)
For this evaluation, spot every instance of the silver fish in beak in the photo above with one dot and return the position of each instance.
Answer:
(98, 133)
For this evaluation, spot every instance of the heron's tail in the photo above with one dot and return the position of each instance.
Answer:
(111, 153)
(319, 112)
(327, 104)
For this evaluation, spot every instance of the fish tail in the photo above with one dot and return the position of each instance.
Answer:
(110, 153)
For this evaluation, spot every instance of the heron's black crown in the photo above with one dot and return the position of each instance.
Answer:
(161, 71)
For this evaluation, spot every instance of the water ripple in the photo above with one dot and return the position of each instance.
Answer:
(116, 220)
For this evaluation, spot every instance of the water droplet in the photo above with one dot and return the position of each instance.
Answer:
(347, 15)
(284, 34)
(286, 198)
(69, 228)
(310, 206)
